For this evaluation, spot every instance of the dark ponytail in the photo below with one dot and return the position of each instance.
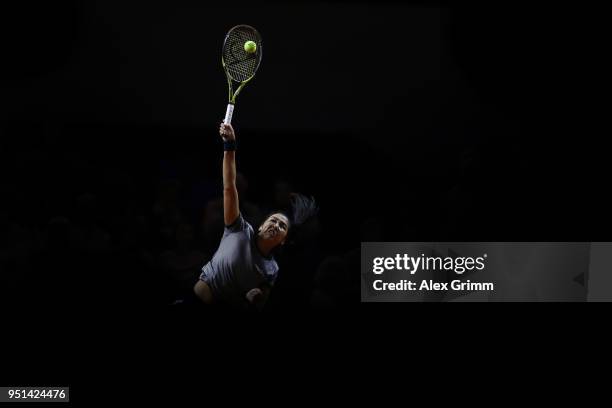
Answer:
(302, 208)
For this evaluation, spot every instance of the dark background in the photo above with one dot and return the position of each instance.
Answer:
(407, 121)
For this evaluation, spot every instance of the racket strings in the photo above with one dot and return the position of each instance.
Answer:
(240, 64)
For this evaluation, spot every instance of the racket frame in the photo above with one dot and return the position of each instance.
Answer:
(233, 95)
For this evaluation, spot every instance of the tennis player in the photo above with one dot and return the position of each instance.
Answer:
(243, 270)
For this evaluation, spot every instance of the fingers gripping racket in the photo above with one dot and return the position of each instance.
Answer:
(241, 56)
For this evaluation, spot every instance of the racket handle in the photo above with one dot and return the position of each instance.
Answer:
(228, 113)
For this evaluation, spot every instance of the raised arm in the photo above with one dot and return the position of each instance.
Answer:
(230, 193)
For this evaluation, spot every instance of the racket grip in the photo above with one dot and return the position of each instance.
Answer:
(228, 113)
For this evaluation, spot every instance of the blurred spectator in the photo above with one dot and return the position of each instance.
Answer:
(87, 234)
(183, 263)
(282, 195)
(166, 211)
(337, 281)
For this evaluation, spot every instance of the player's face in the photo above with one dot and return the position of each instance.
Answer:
(275, 228)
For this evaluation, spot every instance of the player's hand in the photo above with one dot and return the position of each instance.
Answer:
(254, 296)
(227, 132)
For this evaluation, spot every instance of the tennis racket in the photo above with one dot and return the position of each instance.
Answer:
(241, 56)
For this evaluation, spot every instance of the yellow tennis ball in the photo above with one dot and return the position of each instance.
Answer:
(250, 47)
